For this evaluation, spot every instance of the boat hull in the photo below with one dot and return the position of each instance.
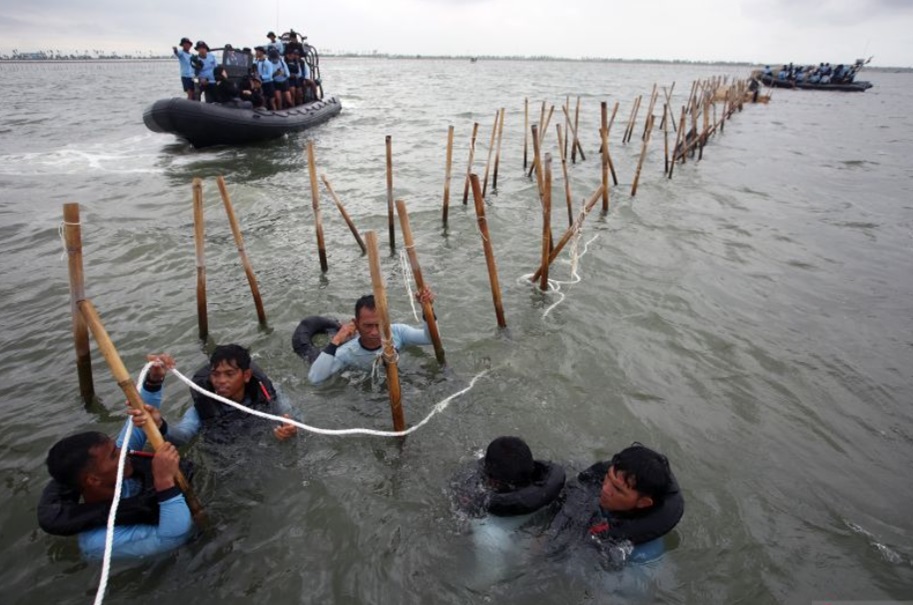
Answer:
(208, 124)
(861, 86)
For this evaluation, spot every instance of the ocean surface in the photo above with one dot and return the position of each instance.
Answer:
(750, 318)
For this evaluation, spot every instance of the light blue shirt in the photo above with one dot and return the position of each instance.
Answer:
(278, 45)
(209, 65)
(279, 76)
(184, 59)
(352, 354)
(265, 68)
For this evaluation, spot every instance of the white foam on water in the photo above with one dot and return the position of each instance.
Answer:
(106, 158)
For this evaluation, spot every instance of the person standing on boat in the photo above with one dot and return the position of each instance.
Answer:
(265, 69)
(274, 43)
(280, 79)
(183, 56)
(206, 65)
(358, 343)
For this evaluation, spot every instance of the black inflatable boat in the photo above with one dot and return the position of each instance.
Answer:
(208, 124)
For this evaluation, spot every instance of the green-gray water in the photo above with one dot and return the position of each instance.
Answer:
(750, 318)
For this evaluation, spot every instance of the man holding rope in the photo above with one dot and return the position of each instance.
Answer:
(345, 350)
(230, 373)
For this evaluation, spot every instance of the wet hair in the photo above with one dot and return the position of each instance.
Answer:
(509, 461)
(70, 457)
(233, 355)
(365, 302)
(644, 470)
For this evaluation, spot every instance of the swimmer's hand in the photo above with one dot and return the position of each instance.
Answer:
(285, 431)
(139, 417)
(345, 334)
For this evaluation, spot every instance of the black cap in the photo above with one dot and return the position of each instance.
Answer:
(201, 44)
(271, 35)
(185, 41)
(509, 460)
(260, 48)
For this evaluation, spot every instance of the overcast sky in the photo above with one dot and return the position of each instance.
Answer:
(757, 31)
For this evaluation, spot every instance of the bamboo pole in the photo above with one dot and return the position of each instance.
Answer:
(604, 136)
(633, 121)
(666, 137)
(122, 377)
(574, 133)
(542, 132)
(345, 215)
(447, 170)
(525, 130)
(643, 154)
(567, 103)
(472, 151)
(609, 153)
(389, 144)
(652, 106)
(427, 310)
(577, 145)
(536, 166)
(494, 179)
(491, 148)
(546, 223)
(578, 222)
(389, 353)
(73, 239)
(669, 102)
(239, 242)
(562, 147)
(489, 253)
(315, 202)
(202, 317)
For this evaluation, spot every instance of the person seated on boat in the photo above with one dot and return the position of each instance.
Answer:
(251, 90)
(184, 56)
(783, 75)
(206, 64)
(265, 69)
(815, 78)
(826, 79)
(231, 374)
(274, 43)
(308, 83)
(620, 505)
(359, 342)
(155, 519)
(768, 72)
(800, 75)
(225, 90)
(280, 79)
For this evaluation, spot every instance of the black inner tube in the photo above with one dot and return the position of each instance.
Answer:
(308, 328)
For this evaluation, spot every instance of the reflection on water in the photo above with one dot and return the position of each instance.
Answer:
(749, 318)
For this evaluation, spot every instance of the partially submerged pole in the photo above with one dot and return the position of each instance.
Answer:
(491, 148)
(345, 215)
(604, 135)
(239, 242)
(427, 310)
(315, 205)
(202, 318)
(546, 222)
(73, 238)
(525, 130)
(447, 169)
(607, 132)
(576, 142)
(578, 222)
(122, 377)
(389, 143)
(643, 154)
(577, 145)
(536, 166)
(472, 151)
(494, 180)
(489, 253)
(389, 353)
(542, 131)
(562, 147)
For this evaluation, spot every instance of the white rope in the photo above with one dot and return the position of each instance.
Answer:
(554, 285)
(439, 407)
(118, 487)
(407, 271)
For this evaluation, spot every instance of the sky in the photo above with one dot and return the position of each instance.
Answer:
(753, 31)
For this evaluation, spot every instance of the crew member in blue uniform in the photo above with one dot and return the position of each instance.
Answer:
(184, 57)
(205, 66)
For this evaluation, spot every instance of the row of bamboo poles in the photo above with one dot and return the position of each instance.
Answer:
(701, 106)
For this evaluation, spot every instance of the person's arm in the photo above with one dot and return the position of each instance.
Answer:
(333, 358)
(407, 335)
(185, 430)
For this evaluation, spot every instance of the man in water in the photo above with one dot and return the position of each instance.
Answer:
(630, 500)
(87, 463)
(184, 57)
(230, 374)
(345, 350)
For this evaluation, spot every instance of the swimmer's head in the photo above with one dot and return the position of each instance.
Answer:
(509, 463)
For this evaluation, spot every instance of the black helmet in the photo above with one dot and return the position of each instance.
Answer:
(185, 41)
(201, 44)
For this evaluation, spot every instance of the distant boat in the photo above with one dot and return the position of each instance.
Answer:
(844, 82)
(473, 59)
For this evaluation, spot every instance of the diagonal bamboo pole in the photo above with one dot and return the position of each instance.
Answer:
(427, 310)
(472, 151)
(643, 154)
(315, 204)
(122, 377)
(578, 222)
(494, 179)
(491, 148)
(239, 242)
(489, 253)
(389, 353)
(345, 215)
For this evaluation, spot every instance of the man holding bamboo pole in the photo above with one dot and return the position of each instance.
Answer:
(359, 342)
